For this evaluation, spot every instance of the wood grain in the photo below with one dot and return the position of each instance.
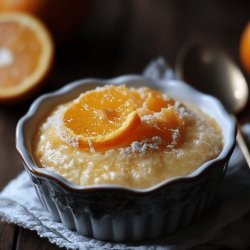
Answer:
(30, 240)
(10, 164)
(8, 234)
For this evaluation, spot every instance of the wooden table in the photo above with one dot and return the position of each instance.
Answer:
(121, 37)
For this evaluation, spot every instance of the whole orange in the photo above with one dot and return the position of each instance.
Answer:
(62, 17)
(245, 48)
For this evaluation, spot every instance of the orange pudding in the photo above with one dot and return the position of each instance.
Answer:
(125, 136)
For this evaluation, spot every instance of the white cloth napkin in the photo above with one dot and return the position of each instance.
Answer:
(226, 224)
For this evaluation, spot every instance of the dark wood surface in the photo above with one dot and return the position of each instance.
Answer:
(121, 37)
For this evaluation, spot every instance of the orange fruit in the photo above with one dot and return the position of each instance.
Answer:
(155, 101)
(26, 55)
(150, 100)
(163, 125)
(245, 48)
(102, 118)
(116, 116)
(163, 118)
(62, 17)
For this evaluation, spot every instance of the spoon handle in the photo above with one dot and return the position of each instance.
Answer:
(243, 146)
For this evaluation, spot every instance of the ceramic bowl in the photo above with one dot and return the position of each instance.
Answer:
(115, 213)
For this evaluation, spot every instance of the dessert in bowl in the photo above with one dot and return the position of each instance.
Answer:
(134, 138)
(153, 168)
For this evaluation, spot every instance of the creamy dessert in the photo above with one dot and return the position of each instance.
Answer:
(130, 137)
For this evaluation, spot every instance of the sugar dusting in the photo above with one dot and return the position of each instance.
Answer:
(143, 146)
(156, 143)
(181, 110)
(56, 121)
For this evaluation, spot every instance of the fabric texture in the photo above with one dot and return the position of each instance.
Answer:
(226, 224)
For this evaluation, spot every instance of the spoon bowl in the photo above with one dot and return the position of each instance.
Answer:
(210, 70)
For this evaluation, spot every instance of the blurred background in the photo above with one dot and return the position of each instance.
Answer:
(121, 37)
(111, 38)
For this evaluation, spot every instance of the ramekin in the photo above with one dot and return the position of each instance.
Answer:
(115, 213)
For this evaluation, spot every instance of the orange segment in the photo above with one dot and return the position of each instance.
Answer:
(102, 118)
(148, 100)
(26, 53)
(168, 119)
(156, 101)
(169, 125)
(163, 124)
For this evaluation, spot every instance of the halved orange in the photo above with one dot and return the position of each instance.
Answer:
(245, 48)
(26, 55)
(102, 117)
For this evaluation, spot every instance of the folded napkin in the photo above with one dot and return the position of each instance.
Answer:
(226, 224)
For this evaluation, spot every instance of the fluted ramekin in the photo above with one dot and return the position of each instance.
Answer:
(116, 213)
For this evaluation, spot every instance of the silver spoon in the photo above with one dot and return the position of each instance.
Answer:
(210, 70)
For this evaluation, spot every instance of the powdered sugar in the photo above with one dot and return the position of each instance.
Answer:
(155, 143)
(143, 146)
(55, 120)
(175, 134)
(181, 110)
(147, 119)
(91, 146)
(73, 141)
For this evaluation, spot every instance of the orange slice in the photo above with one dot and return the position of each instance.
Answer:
(102, 118)
(26, 54)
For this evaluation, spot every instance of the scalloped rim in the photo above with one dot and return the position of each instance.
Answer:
(130, 80)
